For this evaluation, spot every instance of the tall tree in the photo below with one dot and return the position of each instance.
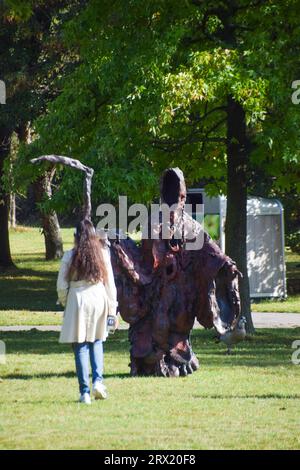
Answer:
(32, 56)
(238, 153)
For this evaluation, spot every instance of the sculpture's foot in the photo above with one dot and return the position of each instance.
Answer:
(194, 362)
(160, 364)
(173, 371)
(170, 368)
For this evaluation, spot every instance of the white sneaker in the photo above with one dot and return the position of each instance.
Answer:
(99, 391)
(85, 398)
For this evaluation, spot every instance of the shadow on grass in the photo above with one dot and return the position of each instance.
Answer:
(46, 342)
(267, 348)
(28, 289)
(265, 396)
(51, 375)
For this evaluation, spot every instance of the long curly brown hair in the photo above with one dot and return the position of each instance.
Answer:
(87, 261)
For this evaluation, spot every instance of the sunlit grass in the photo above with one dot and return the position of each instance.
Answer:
(289, 305)
(30, 287)
(248, 400)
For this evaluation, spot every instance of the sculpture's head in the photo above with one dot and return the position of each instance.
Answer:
(172, 187)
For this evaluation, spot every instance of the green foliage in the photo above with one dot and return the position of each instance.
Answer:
(34, 59)
(151, 88)
(19, 10)
(293, 241)
(212, 226)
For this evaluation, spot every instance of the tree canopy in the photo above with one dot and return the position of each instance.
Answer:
(151, 91)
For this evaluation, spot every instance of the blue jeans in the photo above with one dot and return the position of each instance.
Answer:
(83, 352)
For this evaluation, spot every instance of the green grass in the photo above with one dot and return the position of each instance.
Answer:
(250, 400)
(289, 305)
(25, 317)
(28, 294)
(32, 285)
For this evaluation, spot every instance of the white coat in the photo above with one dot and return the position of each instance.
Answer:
(87, 304)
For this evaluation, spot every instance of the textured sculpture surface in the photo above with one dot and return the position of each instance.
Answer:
(163, 287)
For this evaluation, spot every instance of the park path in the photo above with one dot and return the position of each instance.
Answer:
(260, 319)
(276, 320)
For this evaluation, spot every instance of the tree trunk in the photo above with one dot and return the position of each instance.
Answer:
(50, 224)
(238, 149)
(42, 190)
(5, 255)
(14, 146)
(12, 210)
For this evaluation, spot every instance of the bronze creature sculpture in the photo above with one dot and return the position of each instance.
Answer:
(164, 287)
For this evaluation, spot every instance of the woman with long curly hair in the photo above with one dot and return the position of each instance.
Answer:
(86, 288)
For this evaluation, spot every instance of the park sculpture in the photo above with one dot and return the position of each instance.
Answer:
(164, 285)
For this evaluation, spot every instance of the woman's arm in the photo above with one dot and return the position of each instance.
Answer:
(109, 284)
(62, 285)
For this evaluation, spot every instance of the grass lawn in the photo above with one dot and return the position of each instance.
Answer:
(28, 295)
(289, 305)
(250, 400)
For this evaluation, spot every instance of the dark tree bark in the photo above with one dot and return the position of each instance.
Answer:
(49, 220)
(5, 254)
(238, 150)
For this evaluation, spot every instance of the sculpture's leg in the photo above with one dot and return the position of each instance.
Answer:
(168, 367)
(142, 355)
(161, 322)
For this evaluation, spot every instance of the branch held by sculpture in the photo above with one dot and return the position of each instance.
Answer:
(77, 165)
